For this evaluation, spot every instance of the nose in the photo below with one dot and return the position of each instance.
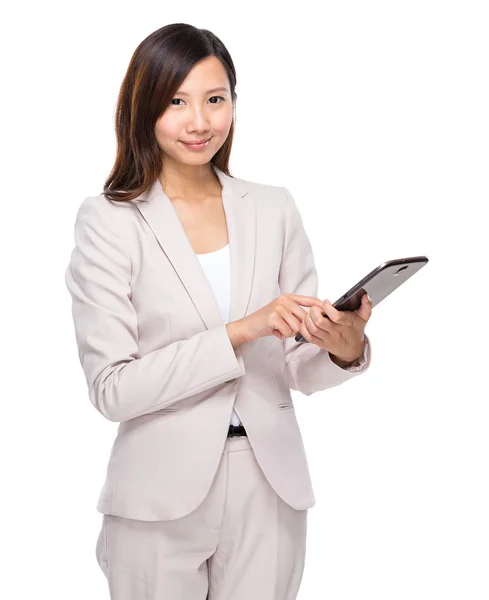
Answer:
(198, 120)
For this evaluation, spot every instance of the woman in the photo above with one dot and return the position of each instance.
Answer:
(188, 287)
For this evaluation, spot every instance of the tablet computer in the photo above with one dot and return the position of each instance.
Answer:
(378, 284)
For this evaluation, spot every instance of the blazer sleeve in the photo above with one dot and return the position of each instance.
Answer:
(121, 383)
(308, 368)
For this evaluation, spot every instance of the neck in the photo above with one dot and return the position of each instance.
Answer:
(186, 181)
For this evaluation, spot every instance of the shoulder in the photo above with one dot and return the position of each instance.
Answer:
(274, 196)
(274, 201)
(258, 186)
(99, 213)
(101, 204)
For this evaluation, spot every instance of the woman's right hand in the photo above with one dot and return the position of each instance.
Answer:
(282, 317)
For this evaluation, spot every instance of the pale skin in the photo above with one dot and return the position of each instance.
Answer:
(199, 110)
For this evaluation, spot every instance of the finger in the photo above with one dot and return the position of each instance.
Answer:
(324, 323)
(308, 335)
(365, 309)
(280, 333)
(332, 313)
(277, 322)
(293, 322)
(297, 310)
(304, 331)
(314, 329)
(306, 300)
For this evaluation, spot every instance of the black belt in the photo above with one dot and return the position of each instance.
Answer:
(236, 430)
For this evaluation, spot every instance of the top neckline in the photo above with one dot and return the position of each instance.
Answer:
(213, 252)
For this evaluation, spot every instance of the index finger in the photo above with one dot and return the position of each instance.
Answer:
(306, 300)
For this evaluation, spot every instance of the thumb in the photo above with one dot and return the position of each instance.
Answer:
(365, 309)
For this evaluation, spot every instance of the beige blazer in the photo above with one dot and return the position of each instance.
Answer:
(157, 357)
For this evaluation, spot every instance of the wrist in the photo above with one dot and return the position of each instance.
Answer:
(345, 361)
(340, 362)
(237, 333)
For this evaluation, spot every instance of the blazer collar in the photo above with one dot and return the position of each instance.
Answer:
(240, 210)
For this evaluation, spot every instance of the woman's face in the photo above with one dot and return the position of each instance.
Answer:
(196, 113)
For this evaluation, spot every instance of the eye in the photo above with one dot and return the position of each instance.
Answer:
(178, 99)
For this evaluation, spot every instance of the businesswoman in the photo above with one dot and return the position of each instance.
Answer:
(188, 286)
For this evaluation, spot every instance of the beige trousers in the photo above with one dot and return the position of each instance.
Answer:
(243, 542)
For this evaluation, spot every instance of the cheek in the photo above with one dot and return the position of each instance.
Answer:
(221, 123)
(166, 130)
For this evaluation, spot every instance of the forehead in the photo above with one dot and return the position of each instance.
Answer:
(207, 75)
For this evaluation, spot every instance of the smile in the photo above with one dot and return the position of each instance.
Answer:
(197, 146)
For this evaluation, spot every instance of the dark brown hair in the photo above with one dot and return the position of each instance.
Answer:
(157, 68)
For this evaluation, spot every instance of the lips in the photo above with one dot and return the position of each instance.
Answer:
(195, 143)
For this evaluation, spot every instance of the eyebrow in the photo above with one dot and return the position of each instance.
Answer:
(217, 89)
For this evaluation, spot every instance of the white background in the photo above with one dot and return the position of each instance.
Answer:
(375, 116)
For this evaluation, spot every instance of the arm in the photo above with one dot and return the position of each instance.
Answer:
(308, 368)
(121, 383)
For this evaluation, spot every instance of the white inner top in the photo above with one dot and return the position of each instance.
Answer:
(217, 268)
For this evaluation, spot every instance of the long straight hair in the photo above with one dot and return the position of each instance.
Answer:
(157, 68)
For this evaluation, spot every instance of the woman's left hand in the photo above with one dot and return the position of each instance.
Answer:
(342, 334)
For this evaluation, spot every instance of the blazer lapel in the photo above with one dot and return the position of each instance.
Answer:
(239, 207)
